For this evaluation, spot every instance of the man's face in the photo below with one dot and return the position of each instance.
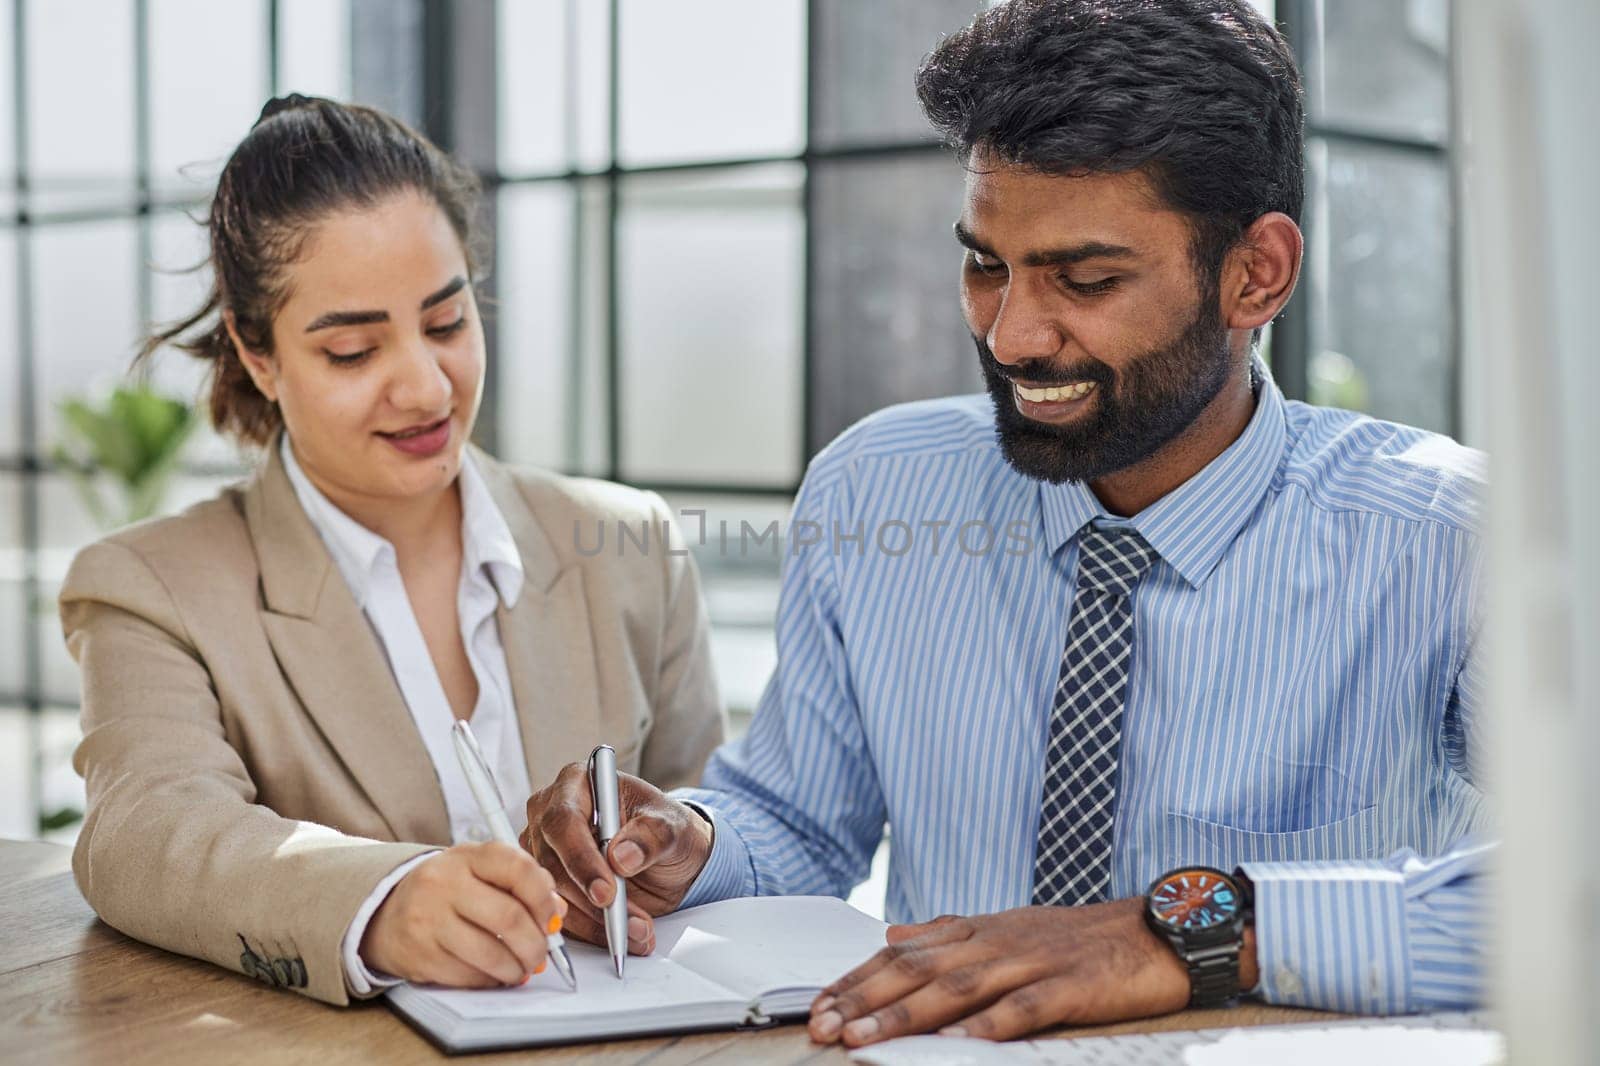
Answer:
(1098, 341)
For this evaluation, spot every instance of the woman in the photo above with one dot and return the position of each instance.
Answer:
(270, 678)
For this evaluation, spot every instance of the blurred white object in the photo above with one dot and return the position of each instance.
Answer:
(1451, 1039)
(1529, 85)
(1379, 1045)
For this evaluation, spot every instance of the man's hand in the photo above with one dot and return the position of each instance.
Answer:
(1001, 976)
(474, 916)
(660, 848)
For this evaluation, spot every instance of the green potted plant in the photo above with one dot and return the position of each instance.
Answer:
(135, 436)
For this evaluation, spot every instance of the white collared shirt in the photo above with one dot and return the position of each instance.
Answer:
(491, 573)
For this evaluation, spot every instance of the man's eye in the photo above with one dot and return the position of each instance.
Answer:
(1091, 288)
(984, 264)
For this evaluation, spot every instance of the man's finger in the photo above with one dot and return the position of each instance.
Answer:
(899, 933)
(1030, 1007)
(568, 834)
(934, 935)
(591, 929)
(644, 840)
(566, 887)
(909, 967)
(955, 994)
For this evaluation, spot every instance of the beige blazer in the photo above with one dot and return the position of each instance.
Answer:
(252, 769)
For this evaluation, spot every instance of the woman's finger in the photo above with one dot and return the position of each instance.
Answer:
(504, 917)
(478, 949)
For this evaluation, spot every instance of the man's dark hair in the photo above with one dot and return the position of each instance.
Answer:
(1202, 96)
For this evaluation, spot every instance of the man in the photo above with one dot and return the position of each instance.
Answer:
(1134, 615)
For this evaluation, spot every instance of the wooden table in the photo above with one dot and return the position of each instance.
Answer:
(73, 990)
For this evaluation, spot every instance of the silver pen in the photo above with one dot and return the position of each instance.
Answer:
(607, 820)
(481, 781)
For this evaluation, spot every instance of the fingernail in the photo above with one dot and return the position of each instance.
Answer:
(952, 1030)
(637, 930)
(597, 889)
(862, 1028)
(822, 1004)
(540, 968)
(628, 857)
(827, 1024)
(555, 925)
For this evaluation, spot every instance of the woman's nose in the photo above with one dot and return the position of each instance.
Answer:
(420, 383)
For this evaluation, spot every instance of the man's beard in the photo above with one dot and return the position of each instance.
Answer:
(1154, 398)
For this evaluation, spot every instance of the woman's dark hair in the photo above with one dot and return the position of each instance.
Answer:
(303, 160)
(1202, 96)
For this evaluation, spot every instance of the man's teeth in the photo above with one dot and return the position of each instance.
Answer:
(1053, 395)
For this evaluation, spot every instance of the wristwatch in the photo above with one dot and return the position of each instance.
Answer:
(1202, 912)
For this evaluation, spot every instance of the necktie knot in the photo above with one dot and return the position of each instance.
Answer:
(1113, 560)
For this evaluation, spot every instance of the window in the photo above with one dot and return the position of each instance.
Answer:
(1374, 325)
(721, 237)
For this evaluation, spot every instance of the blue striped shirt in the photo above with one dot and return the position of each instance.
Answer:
(1301, 699)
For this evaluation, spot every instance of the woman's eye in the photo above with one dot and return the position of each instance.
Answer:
(446, 330)
(348, 358)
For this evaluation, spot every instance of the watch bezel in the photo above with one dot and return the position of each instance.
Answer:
(1197, 936)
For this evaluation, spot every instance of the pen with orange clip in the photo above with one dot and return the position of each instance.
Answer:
(481, 781)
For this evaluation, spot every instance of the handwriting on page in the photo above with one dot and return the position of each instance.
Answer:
(651, 982)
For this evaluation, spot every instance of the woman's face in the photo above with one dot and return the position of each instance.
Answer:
(378, 353)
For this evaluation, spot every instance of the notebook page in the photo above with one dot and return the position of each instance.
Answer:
(650, 984)
(760, 945)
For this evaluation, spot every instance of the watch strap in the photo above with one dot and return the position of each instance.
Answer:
(1213, 975)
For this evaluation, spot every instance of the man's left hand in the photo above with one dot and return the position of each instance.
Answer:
(1001, 976)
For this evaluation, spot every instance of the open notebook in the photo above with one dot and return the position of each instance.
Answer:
(729, 964)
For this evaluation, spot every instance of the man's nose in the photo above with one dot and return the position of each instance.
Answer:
(1025, 327)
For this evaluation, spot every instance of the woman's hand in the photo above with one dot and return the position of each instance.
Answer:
(475, 916)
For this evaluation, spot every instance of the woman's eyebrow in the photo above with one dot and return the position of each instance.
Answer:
(365, 318)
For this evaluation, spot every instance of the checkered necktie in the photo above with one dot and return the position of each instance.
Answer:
(1078, 802)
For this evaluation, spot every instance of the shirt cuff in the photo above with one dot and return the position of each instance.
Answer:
(1331, 935)
(362, 981)
(726, 873)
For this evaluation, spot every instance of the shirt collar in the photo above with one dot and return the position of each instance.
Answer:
(1193, 525)
(485, 536)
(486, 539)
(356, 550)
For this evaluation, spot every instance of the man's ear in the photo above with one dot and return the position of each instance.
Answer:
(1260, 273)
(261, 368)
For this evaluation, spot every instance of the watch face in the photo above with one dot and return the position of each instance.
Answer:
(1194, 900)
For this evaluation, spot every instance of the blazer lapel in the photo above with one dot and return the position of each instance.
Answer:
(335, 664)
(549, 648)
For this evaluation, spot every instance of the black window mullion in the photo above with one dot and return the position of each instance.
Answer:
(614, 438)
(143, 121)
(32, 658)
(808, 201)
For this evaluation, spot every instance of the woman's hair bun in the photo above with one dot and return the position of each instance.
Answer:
(284, 103)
